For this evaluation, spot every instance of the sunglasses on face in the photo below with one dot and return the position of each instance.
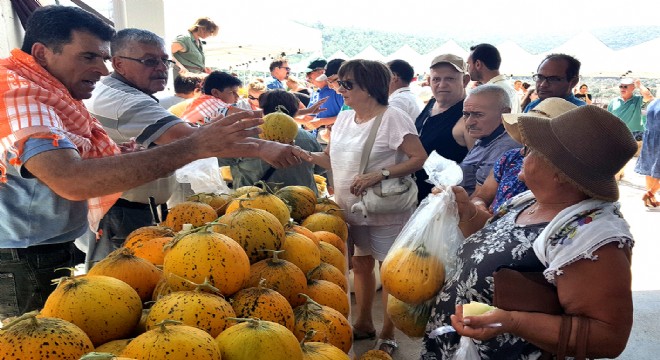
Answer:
(285, 68)
(151, 62)
(252, 97)
(346, 84)
(623, 86)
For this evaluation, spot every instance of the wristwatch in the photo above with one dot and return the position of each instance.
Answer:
(385, 173)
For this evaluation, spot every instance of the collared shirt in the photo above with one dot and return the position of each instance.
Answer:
(126, 113)
(204, 108)
(630, 111)
(503, 82)
(405, 100)
(480, 159)
(38, 115)
(570, 98)
(192, 57)
(273, 83)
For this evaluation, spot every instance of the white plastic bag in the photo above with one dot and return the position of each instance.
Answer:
(467, 350)
(203, 176)
(426, 247)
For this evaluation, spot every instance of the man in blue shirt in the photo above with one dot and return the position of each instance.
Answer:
(334, 103)
(556, 76)
(279, 71)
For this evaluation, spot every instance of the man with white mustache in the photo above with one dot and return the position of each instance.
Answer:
(124, 104)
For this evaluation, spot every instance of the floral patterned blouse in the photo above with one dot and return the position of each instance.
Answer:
(501, 243)
(506, 171)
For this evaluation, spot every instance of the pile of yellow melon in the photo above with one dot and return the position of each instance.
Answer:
(243, 283)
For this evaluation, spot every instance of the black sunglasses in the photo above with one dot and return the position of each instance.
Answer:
(252, 97)
(152, 62)
(346, 84)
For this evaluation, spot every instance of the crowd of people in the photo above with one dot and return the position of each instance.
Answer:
(87, 154)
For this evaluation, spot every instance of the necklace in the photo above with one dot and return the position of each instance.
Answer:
(532, 209)
(536, 206)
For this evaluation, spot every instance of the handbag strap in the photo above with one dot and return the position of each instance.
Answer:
(582, 337)
(564, 336)
(580, 341)
(369, 143)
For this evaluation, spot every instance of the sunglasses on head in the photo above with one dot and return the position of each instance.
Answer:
(346, 84)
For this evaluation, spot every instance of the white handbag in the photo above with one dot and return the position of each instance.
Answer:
(389, 196)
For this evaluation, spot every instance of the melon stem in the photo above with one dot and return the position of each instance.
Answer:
(32, 315)
(163, 324)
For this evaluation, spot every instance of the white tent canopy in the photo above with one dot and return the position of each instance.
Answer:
(409, 54)
(338, 55)
(369, 53)
(516, 60)
(595, 56)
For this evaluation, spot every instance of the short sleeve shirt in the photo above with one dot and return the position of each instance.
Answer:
(43, 217)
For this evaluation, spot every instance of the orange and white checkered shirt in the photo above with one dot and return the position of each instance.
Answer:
(204, 109)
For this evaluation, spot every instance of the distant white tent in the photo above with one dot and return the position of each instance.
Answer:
(450, 47)
(338, 55)
(369, 53)
(597, 58)
(641, 60)
(517, 61)
(409, 54)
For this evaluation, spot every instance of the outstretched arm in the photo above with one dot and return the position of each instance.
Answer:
(75, 178)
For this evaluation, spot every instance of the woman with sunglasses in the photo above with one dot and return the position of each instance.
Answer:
(396, 152)
(568, 227)
(255, 88)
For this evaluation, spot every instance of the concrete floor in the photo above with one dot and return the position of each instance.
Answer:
(644, 342)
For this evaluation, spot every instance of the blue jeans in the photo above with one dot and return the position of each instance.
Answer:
(26, 276)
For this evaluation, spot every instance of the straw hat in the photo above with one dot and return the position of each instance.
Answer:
(548, 108)
(588, 144)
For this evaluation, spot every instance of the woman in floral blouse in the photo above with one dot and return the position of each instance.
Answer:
(567, 225)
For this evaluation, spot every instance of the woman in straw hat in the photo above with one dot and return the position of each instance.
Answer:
(568, 226)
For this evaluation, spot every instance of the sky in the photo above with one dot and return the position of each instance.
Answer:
(428, 16)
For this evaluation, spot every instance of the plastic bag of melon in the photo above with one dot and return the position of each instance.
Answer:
(423, 254)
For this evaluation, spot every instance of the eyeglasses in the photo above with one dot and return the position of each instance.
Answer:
(346, 84)
(285, 68)
(252, 97)
(151, 62)
(550, 79)
(525, 150)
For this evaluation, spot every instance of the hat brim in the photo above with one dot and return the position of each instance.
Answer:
(322, 77)
(510, 122)
(538, 134)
